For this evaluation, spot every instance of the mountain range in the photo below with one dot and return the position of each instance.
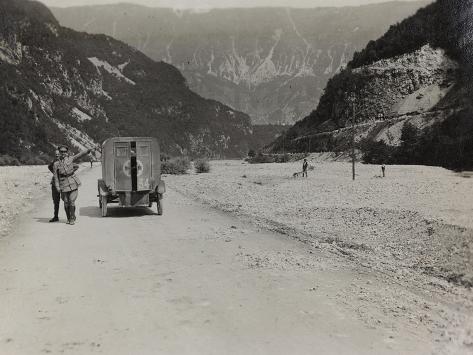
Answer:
(271, 63)
(59, 86)
(406, 96)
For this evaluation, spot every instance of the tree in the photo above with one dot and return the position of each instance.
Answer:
(376, 152)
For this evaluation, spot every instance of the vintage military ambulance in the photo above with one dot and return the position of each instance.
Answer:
(131, 173)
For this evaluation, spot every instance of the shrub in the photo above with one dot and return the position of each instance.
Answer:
(251, 153)
(6, 160)
(175, 166)
(262, 158)
(202, 166)
(283, 158)
(30, 158)
(275, 158)
(34, 161)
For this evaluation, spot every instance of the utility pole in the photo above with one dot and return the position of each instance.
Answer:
(353, 138)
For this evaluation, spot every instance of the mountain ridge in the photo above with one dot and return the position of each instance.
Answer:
(125, 3)
(271, 63)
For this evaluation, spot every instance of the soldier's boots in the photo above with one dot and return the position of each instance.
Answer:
(68, 214)
(72, 212)
(56, 214)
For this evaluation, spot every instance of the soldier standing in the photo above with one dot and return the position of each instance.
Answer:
(305, 164)
(91, 159)
(56, 195)
(66, 181)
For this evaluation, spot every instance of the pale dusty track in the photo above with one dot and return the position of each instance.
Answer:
(193, 281)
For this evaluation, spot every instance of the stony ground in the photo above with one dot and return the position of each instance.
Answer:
(412, 228)
(416, 218)
(415, 226)
(199, 281)
(20, 187)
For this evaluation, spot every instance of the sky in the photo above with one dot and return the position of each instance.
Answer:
(203, 4)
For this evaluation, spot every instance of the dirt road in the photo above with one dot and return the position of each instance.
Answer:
(193, 281)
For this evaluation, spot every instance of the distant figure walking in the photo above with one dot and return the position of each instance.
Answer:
(305, 165)
(56, 195)
(383, 170)
(66, 181)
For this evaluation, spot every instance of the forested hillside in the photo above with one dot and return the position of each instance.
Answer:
(61, 86)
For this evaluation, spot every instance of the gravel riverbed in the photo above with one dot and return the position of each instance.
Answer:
(417, 218)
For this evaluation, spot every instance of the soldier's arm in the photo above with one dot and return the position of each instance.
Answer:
(81, 154)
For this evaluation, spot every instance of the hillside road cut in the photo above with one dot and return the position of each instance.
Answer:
(193, 281)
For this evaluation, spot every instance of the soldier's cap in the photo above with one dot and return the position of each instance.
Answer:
(63, 148)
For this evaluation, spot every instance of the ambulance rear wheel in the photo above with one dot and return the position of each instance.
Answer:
(103, 205)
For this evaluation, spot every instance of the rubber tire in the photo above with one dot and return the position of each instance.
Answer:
(159, 205)
(100, 200)
(103, 205)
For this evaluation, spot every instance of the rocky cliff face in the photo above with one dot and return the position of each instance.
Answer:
(419, 72)
(382, 97)
(270, 63)
(61, 86)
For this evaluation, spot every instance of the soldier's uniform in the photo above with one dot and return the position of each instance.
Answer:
(55, 194)
(68, 183)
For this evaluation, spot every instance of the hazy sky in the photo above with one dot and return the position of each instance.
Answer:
(217, 3)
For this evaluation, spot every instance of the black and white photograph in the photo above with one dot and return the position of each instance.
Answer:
(236, 177)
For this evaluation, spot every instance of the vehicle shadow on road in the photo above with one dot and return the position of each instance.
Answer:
(116, 212)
